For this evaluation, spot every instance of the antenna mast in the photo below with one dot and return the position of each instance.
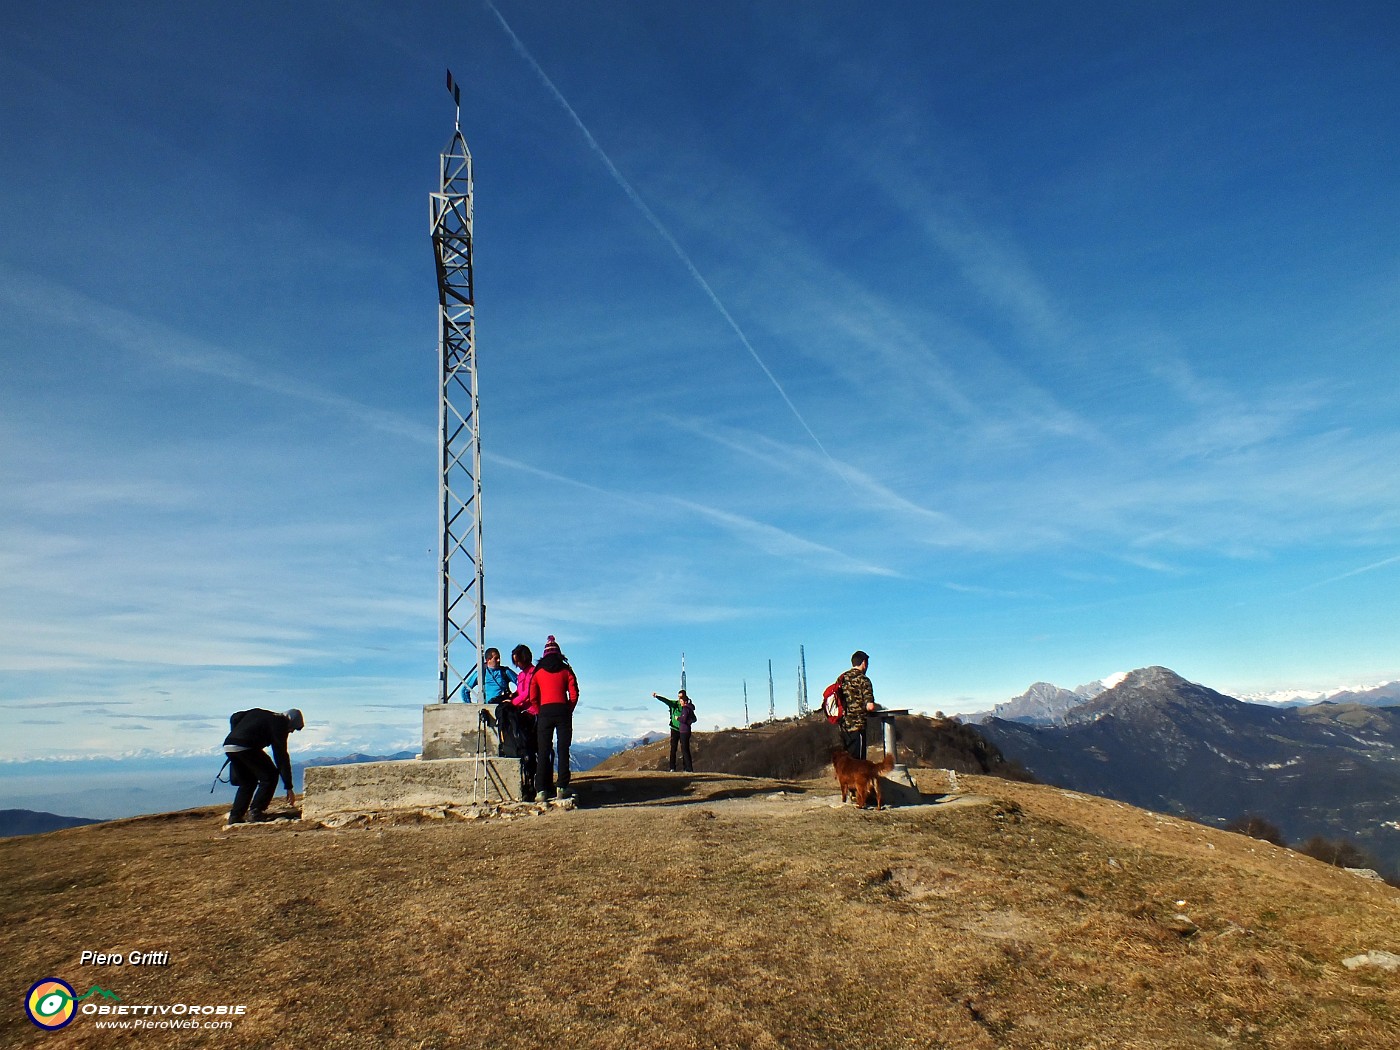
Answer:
(802, 709)
(746, 701)
(461, 602)
(682, 672)
(772, 711)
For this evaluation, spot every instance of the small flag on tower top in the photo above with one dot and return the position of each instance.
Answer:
(452, 87)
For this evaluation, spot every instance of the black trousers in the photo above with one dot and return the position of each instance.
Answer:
(677, 737)
(854, 742)
(257, 781)
(529, 744)
(554, 727)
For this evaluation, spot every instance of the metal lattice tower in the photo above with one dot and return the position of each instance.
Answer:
(461, 602)
(772, 711)
(802, 709)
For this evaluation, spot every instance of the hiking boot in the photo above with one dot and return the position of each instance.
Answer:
(563, 793)
(259, 816)
(540, 796)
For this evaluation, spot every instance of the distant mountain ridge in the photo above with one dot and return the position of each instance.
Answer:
(1387, 695)
(354, 759)
(35, 822)
(1160, 742)
(1045, 703)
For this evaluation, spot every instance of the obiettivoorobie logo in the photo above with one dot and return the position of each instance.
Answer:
(51, 1004)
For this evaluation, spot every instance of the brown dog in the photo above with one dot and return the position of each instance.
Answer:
(858, 777)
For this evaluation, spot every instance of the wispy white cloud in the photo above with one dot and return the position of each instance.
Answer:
(584, 609)
(897, 359)
(990, 592)
(991, 262)
(70, 496)
(772, 540)
(163, 345)
(512, 464)
(933, 527)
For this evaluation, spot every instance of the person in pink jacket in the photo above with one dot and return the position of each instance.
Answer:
(554, 688)
(526, 713)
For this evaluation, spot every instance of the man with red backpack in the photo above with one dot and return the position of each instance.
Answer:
(856, 698)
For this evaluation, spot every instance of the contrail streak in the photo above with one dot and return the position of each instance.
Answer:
(1354, 572)
(661, 229)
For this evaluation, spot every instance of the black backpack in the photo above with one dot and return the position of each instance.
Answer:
(232, 780)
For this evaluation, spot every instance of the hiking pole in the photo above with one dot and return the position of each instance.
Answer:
(480, 752)
(482, 766)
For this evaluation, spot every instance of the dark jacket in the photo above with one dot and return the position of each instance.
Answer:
(257, 729)
(682, 714)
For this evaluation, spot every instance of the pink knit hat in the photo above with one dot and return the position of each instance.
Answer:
(551, 646)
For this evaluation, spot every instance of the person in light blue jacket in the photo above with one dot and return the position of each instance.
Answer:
(498, 683)
(497, 689)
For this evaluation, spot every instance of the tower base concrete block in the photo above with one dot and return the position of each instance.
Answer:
(899, 789)
(376, 787)
(457, 731)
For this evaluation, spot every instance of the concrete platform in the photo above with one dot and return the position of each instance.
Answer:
(411, 784)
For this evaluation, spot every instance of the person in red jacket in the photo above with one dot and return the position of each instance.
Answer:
(554, 688)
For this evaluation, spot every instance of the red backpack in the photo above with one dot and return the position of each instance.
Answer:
(833, 706)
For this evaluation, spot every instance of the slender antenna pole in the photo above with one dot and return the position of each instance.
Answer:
(772, 710)
(802, 709)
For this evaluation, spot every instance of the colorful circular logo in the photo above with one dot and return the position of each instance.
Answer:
(50, 1003)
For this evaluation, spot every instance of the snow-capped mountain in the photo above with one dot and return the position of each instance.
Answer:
(1047, 704)
(1386, 694)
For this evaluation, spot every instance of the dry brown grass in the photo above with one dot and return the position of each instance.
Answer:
(707, 911)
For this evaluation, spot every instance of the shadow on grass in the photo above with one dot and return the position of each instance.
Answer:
(673, 789)
(617, 790)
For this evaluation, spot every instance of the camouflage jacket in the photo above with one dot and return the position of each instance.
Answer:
(856, 692)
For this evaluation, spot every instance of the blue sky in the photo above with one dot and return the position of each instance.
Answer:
(1006, 341)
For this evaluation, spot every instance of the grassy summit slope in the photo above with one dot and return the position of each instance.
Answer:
(712, 910)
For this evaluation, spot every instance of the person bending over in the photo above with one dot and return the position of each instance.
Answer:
(254, 773)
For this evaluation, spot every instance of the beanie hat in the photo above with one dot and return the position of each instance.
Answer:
(551, 647)
(294, 716)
